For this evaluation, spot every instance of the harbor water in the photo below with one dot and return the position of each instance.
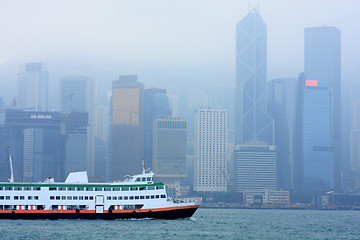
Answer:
(205, 224)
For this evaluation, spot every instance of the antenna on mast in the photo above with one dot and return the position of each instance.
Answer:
(143, 164)
(11, 179)
(254, 6)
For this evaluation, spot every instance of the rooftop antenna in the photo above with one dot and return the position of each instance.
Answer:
(11, 179)
(254, 6)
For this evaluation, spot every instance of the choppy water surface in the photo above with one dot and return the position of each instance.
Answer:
(205, 224)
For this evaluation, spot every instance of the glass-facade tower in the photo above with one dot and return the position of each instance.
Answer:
(322, 62)
(254, 125)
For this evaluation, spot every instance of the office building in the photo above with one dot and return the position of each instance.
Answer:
(355, 138)
(322, 68)
(210, 150)
(169, 149)
(156, 106)
(314, 150)
(76, 133)
(127, 130)
(282, 108)
(77, 94)
(254, 167)
(32, 87)
(36, 144)
(254, 125)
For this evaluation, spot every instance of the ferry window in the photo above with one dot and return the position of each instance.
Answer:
(133, 189)
(151, 188)
(108, 198)
(89, 189)
(107, 189)
(142, 188)
(61, 188)
(91, 198)
(36, 188)
(7, 198)
(137, 180)
(2, 197)
(149, 179)
(120, 198)
(7, 207)
(74, 197)
(86, 198)
(1, 188)
(163, 196)
(8, 188)
(143, 179)
(114, 198)
(131, 198)
(116, 189)
(98, 189)
(17, 188)
(71, 188)
(79, 189)
(52, 188)
(147, 197)
(126, 197)
(81, 198)
(22, 197)
(27, 188)
(142, 197)
(30, 197)
(63, 197)
(157, 196)
(16, 197)
(136, 197)
(152, 196)
(57, 197)
(159, 187)
(52, 197)
(36, 197)
(125, 189)
(69, 198)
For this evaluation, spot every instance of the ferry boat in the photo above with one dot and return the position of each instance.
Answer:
(136, 197)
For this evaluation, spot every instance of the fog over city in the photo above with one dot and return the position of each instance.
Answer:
(163, 42)
(250, 99)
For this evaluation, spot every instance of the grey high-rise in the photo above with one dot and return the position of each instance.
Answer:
(32, 87)
(254, 125)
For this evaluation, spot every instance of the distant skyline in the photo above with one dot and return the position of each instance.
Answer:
(163, 42)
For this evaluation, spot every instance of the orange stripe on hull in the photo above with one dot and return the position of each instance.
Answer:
(105, 211)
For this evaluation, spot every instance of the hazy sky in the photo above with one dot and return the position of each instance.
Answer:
(162, 40)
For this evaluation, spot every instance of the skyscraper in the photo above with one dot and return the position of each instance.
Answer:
(76, 142)
(32, 87)
(254, 135)
(315, 157)
(282, 108)
(322, 62)
(210, 150)
(169, 154)
(127, 133)
(355, 138)
(254, 125)
(77, 95)
(156, 106)
(37, 144)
